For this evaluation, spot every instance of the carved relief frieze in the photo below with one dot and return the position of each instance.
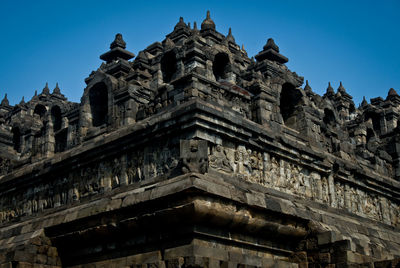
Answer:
(90, 180)
(275, 172)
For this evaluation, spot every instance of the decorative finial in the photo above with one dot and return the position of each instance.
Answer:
(244, 50)
(392, 92)
(364, 102)
(22, 102)
(180, 24)
(208, 23)
(118, 42)
(341, 89)
(271, 45)
(230, 37)
(330, 90)
(5, 102)
(46, 89)
(56, 90)
(35, 96)
(195, 26)
(307, 87)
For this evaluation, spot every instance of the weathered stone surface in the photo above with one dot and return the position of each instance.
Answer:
(193, 154)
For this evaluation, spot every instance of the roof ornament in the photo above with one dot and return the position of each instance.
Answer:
(22, 102)
(307, 87)
(5, 101)
(243, 50)
(230, 37)
(364, 102)
(117, 50)
(118, 42)
(180, 24)
(56, 90)
(271, 45)
(35, 96)
(271, 52)
(341, 88)
(330, 90)
(46, 89)
(208, 23)
(392, 92)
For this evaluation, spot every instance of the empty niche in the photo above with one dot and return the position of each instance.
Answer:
(16, 139)
(98, 99)
(61, 141)
(289, 101)
(221, 66)
(56, 118)
(168, 66)
(376, 121)
(329, 117)
(40, 110)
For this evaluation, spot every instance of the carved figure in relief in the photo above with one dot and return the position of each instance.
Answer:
(256, 164)
(219, 159)
(194, 156)
(340, 195)
(116, 173)
(325, 190)
(274, 171)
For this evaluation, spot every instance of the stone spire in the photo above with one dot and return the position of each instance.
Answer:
(208, 23)
(330, 90)
(118, 42)
(244, 50)
(393, 96)
(271, 52)
(341, 88)
(35, 96)
(22, 102)
(230, 37)
(5, 101)
(307, 87)
(364, 102)
(330, 93)
(180, 24)
(392, 92)
(46, 89)
(57, 90)
(271, 45)
(117, 50)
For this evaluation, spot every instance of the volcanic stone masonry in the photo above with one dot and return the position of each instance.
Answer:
(195, 155)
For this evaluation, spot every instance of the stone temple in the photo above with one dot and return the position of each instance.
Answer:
(192, 154)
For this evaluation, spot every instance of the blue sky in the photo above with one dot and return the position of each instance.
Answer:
(356, 42)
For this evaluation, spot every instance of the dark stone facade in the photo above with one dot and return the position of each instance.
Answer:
(195, 155)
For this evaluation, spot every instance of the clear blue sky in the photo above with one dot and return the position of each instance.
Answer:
(357, 42)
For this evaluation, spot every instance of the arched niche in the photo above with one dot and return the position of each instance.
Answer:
(16, 134)
(98, 100)
(40, 110)
(168, 66)
(221, 65)
(376, 120)
(329, 117)
(56, 118)
(290, 100)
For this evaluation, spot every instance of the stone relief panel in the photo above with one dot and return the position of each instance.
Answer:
(90, 180)
(276, 173)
